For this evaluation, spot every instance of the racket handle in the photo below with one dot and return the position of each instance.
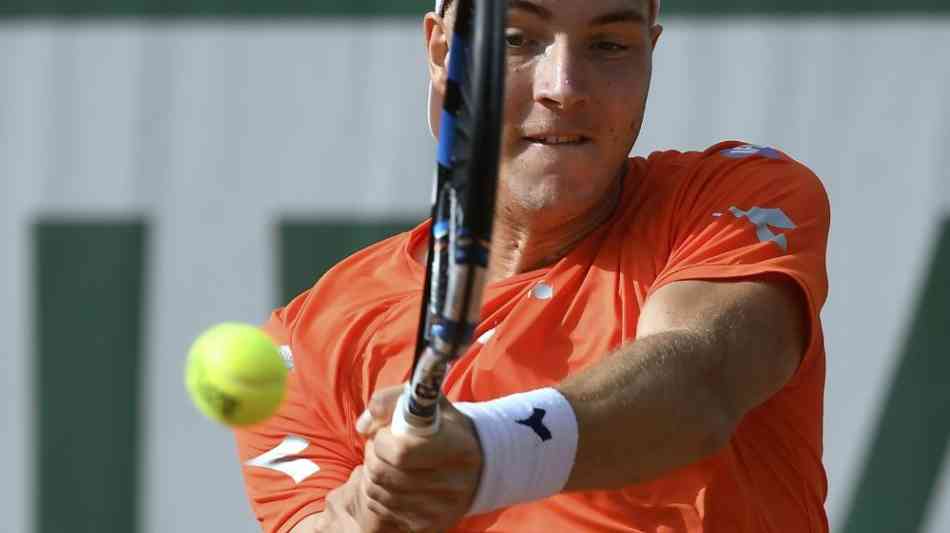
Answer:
(405, 423)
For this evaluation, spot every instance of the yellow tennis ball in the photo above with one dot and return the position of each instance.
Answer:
(235, 374)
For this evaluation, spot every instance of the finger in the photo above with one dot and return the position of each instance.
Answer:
(407, 452)
(341, 497)
(455, 443)
(400, 481)
(421, 500)
(379, 412)
(405, 511)
(380, 514)
(335, 514)
(416, 514)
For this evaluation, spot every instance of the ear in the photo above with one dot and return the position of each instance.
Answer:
(655, 31)
(437, 48)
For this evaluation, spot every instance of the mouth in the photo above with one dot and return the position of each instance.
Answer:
(558, 140)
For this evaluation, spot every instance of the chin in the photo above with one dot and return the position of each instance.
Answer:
(550, 190)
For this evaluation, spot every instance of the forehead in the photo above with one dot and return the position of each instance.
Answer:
(590, 13)
(572, 8)
(588, 4)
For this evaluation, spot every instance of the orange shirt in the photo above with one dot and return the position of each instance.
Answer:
(732, 211)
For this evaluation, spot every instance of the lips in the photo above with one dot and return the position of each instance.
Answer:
(557, 139)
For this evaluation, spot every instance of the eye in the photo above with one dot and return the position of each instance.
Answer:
(609, 46)
(515, 39)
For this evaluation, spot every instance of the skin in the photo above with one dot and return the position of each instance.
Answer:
(705, 352)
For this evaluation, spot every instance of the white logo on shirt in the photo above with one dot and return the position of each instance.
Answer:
(542, 291)
(749, 150)
(279, 459)
(485, 337)
(764, 220)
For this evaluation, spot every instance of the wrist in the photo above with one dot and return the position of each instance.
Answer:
(529, 443)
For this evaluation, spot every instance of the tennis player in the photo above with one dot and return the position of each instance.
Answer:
(650, 356)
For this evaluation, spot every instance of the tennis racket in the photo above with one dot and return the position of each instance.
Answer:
(462, 208)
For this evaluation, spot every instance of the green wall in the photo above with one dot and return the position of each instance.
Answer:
(88, 305)
(904, 465)
(310, 248)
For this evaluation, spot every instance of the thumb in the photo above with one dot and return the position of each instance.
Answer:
(379, 412)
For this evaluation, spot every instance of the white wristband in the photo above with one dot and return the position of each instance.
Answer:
(529, 442)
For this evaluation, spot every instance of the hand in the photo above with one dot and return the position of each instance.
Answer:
(339, 514)
(410, 483)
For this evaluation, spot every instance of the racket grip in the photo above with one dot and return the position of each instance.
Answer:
(405, 423)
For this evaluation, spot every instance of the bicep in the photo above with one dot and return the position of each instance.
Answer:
(758, 327)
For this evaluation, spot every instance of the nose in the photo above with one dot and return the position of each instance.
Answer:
(559, 78)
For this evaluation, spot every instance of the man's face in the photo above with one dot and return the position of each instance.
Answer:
(577, 83)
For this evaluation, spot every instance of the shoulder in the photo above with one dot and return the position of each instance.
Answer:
(719, 159)
(728, 170)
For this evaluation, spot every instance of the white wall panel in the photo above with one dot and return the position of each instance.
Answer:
(216, 129)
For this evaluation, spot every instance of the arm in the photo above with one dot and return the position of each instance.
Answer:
(308, 524)
(292, 461)
(705, 354)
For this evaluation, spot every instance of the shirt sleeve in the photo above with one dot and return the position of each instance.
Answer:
(291, 461)
(745, 211)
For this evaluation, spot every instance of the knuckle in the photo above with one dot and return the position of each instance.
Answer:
(384, 516)
(403, 453)
(377, 472)
(377, 406)
(380, 496)
(379, 510)
(382, 403)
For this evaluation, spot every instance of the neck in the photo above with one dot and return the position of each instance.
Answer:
(527, 238)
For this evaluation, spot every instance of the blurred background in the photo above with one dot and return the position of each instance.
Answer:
(166, 165)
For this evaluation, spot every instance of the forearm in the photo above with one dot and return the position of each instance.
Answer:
(651, 407)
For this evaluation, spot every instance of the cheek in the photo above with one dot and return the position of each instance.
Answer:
(519, 96)
(624, 102)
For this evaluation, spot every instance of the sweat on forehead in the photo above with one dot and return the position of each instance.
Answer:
(442, 5)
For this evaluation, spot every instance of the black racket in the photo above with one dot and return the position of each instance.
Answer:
(463, 207)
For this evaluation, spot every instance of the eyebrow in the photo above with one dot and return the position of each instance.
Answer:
(531, 7)
(624, 15)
